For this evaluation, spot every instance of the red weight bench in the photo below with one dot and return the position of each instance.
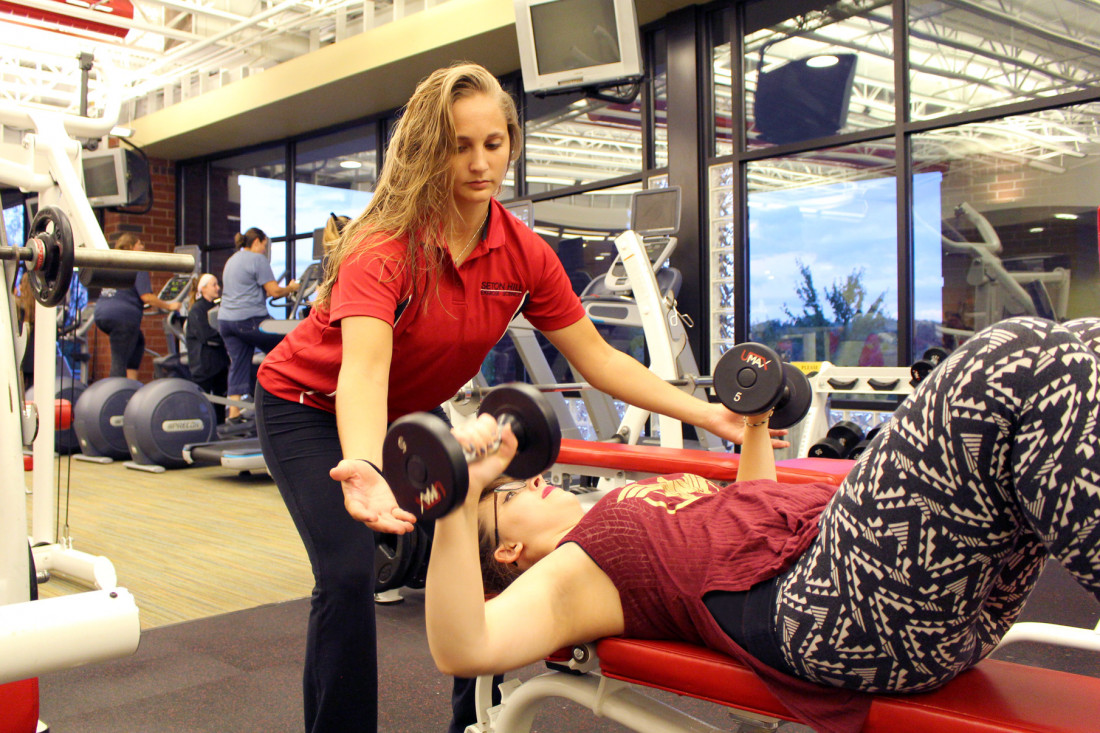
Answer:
(608, 675)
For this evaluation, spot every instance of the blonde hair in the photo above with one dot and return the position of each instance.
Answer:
(127, 240)
(413, 196)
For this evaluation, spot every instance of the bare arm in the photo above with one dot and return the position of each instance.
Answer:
(154, 302)
(563, 599)
(274, 290)
(757, 459)
(623, 377)
(361, 398)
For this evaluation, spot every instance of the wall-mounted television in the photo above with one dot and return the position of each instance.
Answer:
(114, 177)
(570, 44)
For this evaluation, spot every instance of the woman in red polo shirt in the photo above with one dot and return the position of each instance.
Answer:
(416, 292)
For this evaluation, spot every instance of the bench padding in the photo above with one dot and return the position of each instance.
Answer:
(994, 697)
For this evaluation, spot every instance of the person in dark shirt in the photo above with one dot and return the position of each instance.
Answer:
(903, 577)
(118, 314)
(206, 355)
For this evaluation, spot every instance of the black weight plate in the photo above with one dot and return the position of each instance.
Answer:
(935, 354)
(538, 434)
(417, 576)
(796, 402)
(391, 560)
(748, 379)
(424, 466)
(847, 433)
(826, 448)
(51, 282)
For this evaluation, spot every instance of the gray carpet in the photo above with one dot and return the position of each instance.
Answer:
(241, 672)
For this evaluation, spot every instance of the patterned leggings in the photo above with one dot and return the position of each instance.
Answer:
(933, 542)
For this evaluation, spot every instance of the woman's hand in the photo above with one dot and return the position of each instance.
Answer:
(369, 499)
(731, 426)
(477, 437)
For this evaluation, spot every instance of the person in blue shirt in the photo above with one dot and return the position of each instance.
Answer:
(247, 283)
(118, 314)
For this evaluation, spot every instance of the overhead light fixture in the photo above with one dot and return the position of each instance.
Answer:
(822, 62)
(1066, 217)
(350, 164)
(1035, 230)
(119, 131)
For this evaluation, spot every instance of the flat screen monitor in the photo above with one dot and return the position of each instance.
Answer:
(523, 210)
(655, 212)
(570, 44)
(114, 177)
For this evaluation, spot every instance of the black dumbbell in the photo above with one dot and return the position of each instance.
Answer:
(861, 446)
(923, 366)
(838, 442)
(427, 468)
(750, 379)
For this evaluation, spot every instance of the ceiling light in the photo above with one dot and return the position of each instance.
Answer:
(350, 164)
(822, 62)
(1067, 217)
(1035, 230)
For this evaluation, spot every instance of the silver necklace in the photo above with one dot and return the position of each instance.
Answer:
(472, 239)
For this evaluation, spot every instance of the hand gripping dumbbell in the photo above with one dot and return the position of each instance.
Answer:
(750, 379)
(428, 469)
(923, 366)
(839, 442)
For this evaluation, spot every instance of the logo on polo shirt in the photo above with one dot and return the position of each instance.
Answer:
(491, 287)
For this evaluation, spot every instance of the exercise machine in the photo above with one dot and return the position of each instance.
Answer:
(56, 633)
(638, 292)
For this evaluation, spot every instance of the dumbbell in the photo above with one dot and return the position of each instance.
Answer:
(428, 469)
(838, 442)
(861, 446)
(923, 366)
(750, 379)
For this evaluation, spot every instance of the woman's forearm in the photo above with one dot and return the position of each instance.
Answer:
(757, 459)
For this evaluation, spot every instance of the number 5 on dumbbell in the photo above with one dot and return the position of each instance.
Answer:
(427, 468)
(750, 379)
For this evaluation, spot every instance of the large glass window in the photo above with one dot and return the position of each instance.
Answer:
(826, 70)
(572, 140)
(335, 174)
(823, 255)
(983, 53)
(249, 190)
(660, 100)
(1012, 204)
(721, 82)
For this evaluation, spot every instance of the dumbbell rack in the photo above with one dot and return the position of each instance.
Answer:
(831, 381)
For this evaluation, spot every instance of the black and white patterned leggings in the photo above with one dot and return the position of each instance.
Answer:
(933, 542)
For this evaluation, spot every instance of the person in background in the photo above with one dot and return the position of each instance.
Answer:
(24, 312)
(248, 283)
(118, 314)
(206, 355)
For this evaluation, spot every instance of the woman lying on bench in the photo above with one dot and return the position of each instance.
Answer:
(899, 580)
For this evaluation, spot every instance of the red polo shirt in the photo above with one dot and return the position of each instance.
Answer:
(440, 338)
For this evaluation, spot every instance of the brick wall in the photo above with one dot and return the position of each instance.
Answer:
(157, 230)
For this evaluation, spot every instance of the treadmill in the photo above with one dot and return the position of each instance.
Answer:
(243, 454)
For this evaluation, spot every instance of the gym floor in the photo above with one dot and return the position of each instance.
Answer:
(222, 583)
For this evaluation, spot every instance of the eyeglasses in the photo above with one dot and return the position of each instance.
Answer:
(503, 489)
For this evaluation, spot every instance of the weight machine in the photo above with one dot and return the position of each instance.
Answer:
(55, 633)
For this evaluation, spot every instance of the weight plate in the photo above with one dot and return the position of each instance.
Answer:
(424, 465)
(748, 379)
(391, 560)
(796, 402)
(536, 427)
(50, 283)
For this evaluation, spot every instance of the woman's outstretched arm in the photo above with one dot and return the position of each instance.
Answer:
(561, 600)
